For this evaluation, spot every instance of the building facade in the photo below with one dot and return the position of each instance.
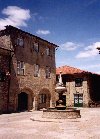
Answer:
(82, 87)
(4, 78)
(31, 66)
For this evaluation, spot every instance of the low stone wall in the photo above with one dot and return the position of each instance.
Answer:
(61, 114)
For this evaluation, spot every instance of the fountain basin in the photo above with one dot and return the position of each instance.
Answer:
(69, 113)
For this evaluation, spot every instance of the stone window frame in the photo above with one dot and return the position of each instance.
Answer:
(20, 68)
(36, 47)
(78, 82)
(48, 52)
(36, 70)
(42, 98)
(20, 42)
(48, 72)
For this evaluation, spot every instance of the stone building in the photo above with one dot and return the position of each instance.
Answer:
(27, 71)
(4, 77)
(83, 87)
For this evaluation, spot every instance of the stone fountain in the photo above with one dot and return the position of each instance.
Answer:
(60, 89)
(61, 111)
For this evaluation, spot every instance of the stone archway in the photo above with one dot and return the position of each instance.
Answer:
(44, 98)
(25, 99)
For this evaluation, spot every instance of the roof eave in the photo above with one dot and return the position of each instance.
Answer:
(54, 45)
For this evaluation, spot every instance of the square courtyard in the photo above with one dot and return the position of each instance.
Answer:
(31, 125)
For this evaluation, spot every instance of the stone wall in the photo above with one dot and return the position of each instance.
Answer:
(71, 90)
(89, 91)
(27, 83)
(62, 114)
(4, 89)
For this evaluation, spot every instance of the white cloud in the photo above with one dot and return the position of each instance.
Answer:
(43, 32)
(16, 16)
(89, 51)
(98, 72)
(69, 46)
(88, 67)
(90, 2)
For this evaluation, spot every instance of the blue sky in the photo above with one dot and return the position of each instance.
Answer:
(74, 25)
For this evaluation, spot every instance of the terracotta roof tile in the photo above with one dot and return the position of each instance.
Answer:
(70, 70)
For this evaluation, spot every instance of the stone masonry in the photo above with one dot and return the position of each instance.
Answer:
(31, 86)
(82, 87)
(4, 81)
(71, 90)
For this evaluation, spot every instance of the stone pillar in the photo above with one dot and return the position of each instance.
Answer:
(33, 103)
(53, 104)
(50, 103)
(36, 103)
(68, 101)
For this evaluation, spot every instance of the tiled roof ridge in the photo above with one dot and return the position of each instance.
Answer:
(76, 70)
(72, 68)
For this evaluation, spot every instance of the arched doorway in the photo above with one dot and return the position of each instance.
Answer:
(22, 101)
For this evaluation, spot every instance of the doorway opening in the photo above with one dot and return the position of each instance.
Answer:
(22, 101)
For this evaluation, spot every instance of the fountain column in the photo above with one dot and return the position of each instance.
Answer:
(60, 79)
(60, 89)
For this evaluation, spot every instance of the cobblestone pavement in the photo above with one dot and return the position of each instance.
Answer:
(31, 125)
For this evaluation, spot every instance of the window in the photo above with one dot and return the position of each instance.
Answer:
(48, 51)
(2, 76)
(78, 100)
(78, 82)
(36, 70)
(42, 98)
(20, 42)
(48, 71)
(36, 47)
(20, 68)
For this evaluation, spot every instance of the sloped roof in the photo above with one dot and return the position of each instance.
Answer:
(70, 70)
(15, 28)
